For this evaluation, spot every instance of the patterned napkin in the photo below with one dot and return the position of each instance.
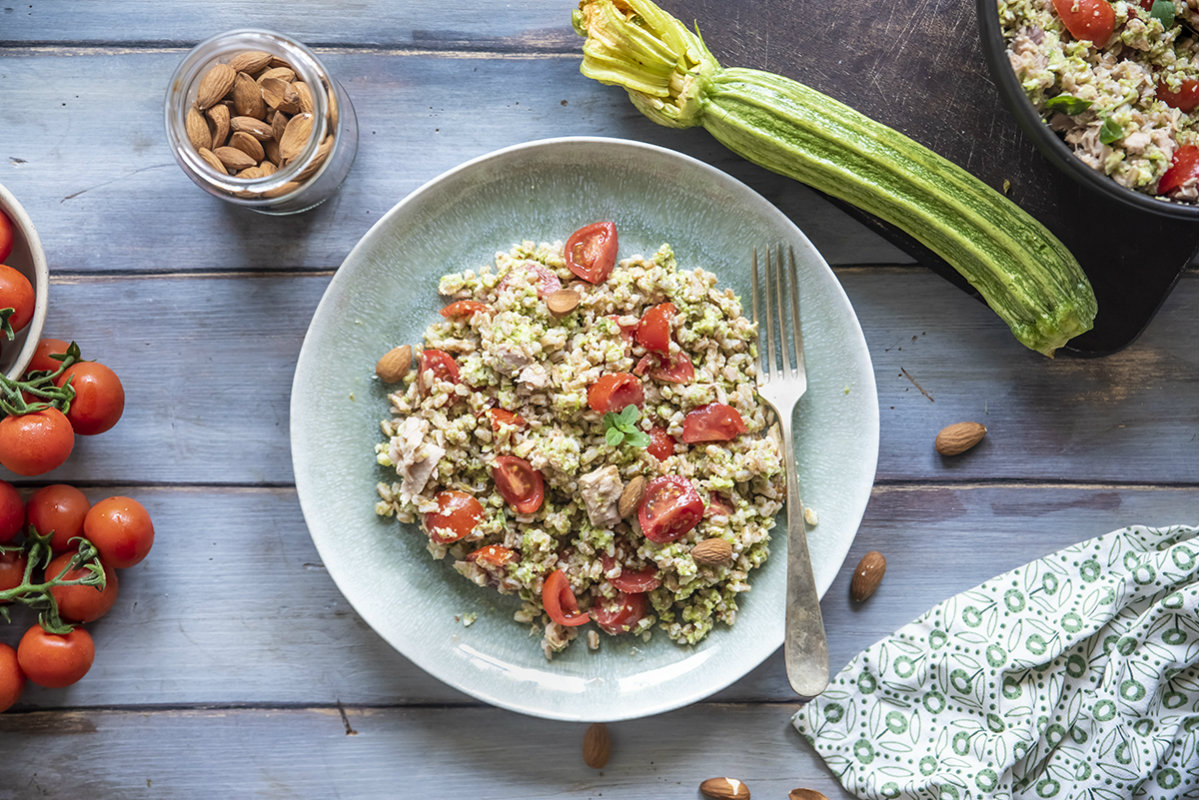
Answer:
(1074, 676)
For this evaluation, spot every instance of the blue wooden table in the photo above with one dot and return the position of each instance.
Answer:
(231, 665)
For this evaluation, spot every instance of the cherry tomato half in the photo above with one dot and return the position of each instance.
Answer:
(653, 331)
(6, 237)
(12, 512)
(35, 443)
(55, 660)
(81, 603)
(41, 361)
(443, 365)
(559, 601)
(591, 251)
(669, 369)
(501, 417)
(671, 507)
(12, 680)
(614, 391)
(1090, 20)
(463, 309)
(619, 614)
(121, 529)
(631, 580)
(456, 516)
(661, 444)
(59, 508)
(492, 555)
(12, 568)
(99, 397)
(16, 292)
(521, 486)
(719, 504)
(714, 422)
(1186, 99)
(1183, 168)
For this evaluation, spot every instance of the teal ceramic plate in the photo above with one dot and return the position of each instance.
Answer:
(385, 293)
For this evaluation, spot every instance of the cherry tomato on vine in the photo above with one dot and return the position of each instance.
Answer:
(6, 237)
(12, 512)
(16, 292)
(463, 309)
(661, 444)
(12, 680)
(715, 422)
(671, 507)
(99, 397)
(631, 580)
(619, 614)
(12, 569)
(121, 529)
(521, 486)
(41, 361)
(614, 391)
(1089, 20)
(81, 603)
(59, 508)
(456, 516)
(591, 251)
(559, 601)
(653, 331)
(35, 443)
(1184, 167)
(55, 660)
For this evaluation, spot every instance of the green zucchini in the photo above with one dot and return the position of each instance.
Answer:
(1023, 272)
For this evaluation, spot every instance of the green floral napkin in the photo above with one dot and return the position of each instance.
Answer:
(1074, 676)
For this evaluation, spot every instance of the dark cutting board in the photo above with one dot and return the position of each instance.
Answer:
(917, 66)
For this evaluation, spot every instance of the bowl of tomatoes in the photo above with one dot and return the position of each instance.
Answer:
(24, 281)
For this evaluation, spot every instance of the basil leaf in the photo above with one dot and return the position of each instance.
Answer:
(1163, 11)
(630, 414)
(1111, 131)
(1067, 104)
(614, 437)
(639, 439)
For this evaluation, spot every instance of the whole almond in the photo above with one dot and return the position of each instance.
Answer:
(630, 498)
(322, 153)
(279, 191)
(295, 136)
(212, 161)
(959, 437)
(867, 576)
(597, 745)
(255, 127)
(219, 114)
(305, 95)
(215, 84)
(805, 794)
(562, 301)
(250, 61)
(331, 104)
(267, 168)
(234, 159)
(279, 94)
(724, 789)
(271, 148)
(247, 97)
(278, 124)
(279, 73)
(712, 552)
(198, 132)
(248, 145)
(394, 364)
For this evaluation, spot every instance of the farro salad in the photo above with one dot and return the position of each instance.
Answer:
(1119, 81)
(597, 450)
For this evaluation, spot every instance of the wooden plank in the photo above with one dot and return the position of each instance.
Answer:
(208, 361)
(233, 606)
(107, 195)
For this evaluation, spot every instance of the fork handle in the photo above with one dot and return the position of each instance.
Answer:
(805, 647)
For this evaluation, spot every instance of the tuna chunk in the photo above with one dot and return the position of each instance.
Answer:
(414, 456)
(601, 493)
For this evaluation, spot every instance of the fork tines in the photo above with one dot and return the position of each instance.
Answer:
(787, 314)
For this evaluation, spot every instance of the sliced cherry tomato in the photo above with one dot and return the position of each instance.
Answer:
(55, 660)
(41, 361)
(99, 397)
(714, 422)
(1090, 20)
(35, 443)
(60, 509)
(1184, 167)
(591, 251)
(661, 444)
(12, 680)
(16, 292)
(614, 391)
(463, 309)
(80, 603)
(501, 417)
(456, 516)
(559, 601)
(444, 367)
(121, 529)
(671, 507)
(521, 486)
(492, 555)
(668, 369)
(627, 332)
(12, 568)
(631, 580)
(653, 331)
(12, 512)
(6, 237)
(619, 614)
(1186, 99)
(547, 280)
(719, 504)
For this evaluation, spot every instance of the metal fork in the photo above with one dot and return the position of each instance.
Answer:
(781, 382)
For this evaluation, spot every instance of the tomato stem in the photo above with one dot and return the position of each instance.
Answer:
(40, 385)
(37, 595)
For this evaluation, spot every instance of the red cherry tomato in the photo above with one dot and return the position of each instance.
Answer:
(456, 516)
(1183, 168)
(653, 331)
(41, 361)
(59, 508)
(1091, 20)
(719, 504)
(1186, 99)
(671, 507)
(12, 569)
(670, 369)
(35, 443)
(55, 660)
(99, 397)
(627, 332)
(521, 486)
(501, 417)
(661, 444)
(591, 251)
(12, 680)
(12, 512)
(559, 601)
(463, 309)
(546, 279)
(16, 292)
(6, 237)
(492, 555)
(615, 391)
(81, 603)
(631, 580)
(714, 422)
(444, 367)
(619, 614)
(121, 529)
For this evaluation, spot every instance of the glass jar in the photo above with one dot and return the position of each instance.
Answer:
(273, 90)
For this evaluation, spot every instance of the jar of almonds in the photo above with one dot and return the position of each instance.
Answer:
(254, 118)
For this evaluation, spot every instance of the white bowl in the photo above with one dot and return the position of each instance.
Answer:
(26, 256)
